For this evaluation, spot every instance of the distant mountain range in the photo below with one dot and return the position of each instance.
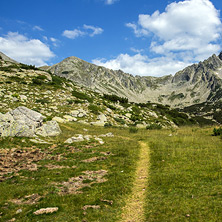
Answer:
(196, 91)
(195, 84)
(198, 83)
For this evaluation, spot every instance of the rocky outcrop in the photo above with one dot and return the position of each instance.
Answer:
(24, 122)
(6, 58)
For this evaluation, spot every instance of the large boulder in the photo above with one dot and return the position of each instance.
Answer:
(31, 118)
(24, 122)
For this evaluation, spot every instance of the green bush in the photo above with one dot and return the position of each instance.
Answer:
(108, 124)
(37, 81)
(24, 66)
(95, 109)
(82, 96)
(42, 101)
(133, 130)
(121, 121)
(115, 98)
(217, 131)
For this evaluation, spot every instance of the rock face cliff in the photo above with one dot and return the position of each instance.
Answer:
(195, 84)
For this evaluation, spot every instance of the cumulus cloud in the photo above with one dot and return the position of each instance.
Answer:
(110, 2)
(22, 49)
(72, 34)
(96, 30)
(141, 65)
(87, 30)
(186, 32)
(184, 26)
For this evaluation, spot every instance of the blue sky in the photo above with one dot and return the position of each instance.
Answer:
(141, 37)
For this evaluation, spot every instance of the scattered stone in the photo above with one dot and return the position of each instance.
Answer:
(98, 123)
(12, 220)
(69, 118)
(52, 167)
(19, 211)
(102, 118)
(74, 113)
(99, 140)
(74, 184)
(107, 201)
(129, 115)
(29, 199)
(91, 206)
(37, 140)
(93, 159)
(107, 135)
(106, 153)
(59, 119)
(77, 138)
(23, 97)
(46, 210)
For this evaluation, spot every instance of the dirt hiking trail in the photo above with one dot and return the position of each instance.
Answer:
(133, 211)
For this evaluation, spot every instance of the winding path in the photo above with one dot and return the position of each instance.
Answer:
(134, 209)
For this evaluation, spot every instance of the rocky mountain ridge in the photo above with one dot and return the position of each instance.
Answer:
(195, 84)
(60, 100)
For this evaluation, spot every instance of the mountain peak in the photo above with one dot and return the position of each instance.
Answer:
(6, 58)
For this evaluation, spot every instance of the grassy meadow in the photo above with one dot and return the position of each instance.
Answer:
(88, 181)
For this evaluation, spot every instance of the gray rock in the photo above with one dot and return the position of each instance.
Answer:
(23, 122)
(50, 128)
(74, 113)
(102, 118)
(76, 138)
(59, 119)
(31, 118)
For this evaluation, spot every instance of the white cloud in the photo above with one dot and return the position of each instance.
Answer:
(72, 34)
(142, 65)
(96, 30)
(188, 31)
(110, 2)
(38, 28)
(87, 30)
(22, 49)
(138, 31)
(190, 25)
(136, 50)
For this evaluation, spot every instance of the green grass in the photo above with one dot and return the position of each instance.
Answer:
(120, 166)
(185, 176)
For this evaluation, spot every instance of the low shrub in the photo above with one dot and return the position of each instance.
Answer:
(133, 130)
(82, 96)
(108, 124)
(95, 109)
(217, 131)
(121, 121)
(42, 101)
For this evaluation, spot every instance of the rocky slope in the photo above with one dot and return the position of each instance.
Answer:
(195, 84)
(63, 101)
